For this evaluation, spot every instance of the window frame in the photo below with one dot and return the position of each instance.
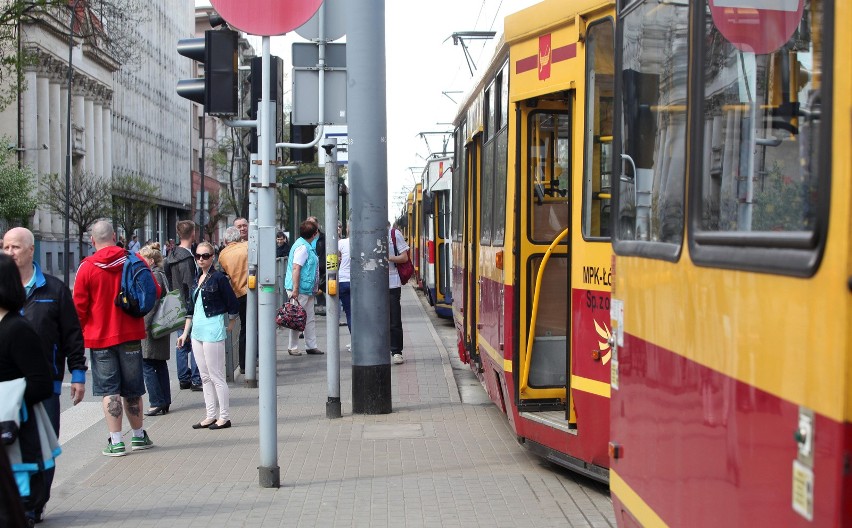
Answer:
(785, 253)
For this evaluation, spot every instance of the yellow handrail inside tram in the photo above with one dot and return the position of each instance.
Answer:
(525, 372)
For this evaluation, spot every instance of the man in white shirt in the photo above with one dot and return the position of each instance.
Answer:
(397, 253)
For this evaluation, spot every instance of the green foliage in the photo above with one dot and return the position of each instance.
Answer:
(17, 199)
(133, 197)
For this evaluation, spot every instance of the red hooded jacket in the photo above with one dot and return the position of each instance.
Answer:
(95, 289)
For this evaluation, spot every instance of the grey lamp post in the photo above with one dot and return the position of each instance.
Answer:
(67, 265)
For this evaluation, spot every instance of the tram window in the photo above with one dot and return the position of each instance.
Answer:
(502, 155)
(459, 185)
(653, 121)
(549, 174)
(761, 135)
(494, 165)
(597, 186)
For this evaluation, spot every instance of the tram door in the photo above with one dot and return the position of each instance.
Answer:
(546, 195)
(471, 238)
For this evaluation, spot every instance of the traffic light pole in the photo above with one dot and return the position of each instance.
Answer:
(251, 300)
(269, 474)
(332, 300)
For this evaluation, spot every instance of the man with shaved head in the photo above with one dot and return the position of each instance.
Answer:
(51, 311)
(114, 338)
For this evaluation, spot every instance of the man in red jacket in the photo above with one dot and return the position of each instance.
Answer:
(114, 338)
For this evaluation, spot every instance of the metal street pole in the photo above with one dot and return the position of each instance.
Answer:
(332, 300)
(269, 474)
(200, 207)
(251, 300)
(67, 264)
(367, 117)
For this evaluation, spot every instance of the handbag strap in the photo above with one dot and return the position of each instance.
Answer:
(393, 238)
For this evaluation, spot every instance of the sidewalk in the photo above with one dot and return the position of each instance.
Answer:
(434, 461)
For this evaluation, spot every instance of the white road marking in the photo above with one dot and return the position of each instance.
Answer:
(77, 419)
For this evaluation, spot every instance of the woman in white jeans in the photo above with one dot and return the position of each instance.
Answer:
(212, 298)
(301, 282)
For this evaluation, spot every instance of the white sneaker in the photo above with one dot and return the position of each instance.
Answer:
(397, 359)
(349, 347)
(294, 352)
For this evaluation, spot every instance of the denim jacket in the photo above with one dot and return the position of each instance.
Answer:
(217, 296)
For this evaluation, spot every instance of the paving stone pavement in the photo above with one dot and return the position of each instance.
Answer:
(434, 461)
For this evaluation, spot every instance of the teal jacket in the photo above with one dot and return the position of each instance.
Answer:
(308, 273)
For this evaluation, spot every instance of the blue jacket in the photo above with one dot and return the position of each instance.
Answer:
(217, 296)
(50, 310)
(308, 273)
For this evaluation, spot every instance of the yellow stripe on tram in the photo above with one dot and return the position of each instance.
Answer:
(643, 513)
(483, 345)
(591, 386)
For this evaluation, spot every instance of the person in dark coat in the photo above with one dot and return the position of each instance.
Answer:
(180, 268)
(20, 358)
(156, 351)
(50, 309)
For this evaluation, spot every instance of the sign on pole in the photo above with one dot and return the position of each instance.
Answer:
(266, 17)
(757, 26)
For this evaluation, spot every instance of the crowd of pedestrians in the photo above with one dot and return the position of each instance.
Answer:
(40, 312)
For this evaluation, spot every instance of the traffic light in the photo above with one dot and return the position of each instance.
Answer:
(276, 92)
(217, 91)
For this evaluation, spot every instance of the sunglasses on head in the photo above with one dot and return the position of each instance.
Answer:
(203, 256)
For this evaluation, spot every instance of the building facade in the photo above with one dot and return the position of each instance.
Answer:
(124, 118)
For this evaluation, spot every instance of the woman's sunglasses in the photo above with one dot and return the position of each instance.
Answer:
(203, 256)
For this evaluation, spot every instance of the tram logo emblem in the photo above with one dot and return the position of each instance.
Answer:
(545, 54)
(604, 349)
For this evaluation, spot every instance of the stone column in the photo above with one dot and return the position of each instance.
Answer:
(98, 141)
(42, 139)
(56, 141)
(89, 125)
(30, 132)
(107, 141)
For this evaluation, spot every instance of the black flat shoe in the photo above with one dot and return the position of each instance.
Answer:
(215, 425)
(202, 425)
(154, 411)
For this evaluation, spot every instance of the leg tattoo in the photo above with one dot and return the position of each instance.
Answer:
(134, 407)
(114, 406)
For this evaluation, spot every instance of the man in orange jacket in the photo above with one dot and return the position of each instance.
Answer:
(115, 340)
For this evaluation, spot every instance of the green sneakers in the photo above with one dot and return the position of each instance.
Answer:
(137, 444)
(114, 450)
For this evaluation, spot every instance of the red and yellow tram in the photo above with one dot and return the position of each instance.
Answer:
(530, 233)
(731, 303)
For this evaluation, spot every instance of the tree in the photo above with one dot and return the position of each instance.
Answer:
(133, 198)
(218, 212)
(110, 26)
(17, 201)
(225, 159)
(87, 200)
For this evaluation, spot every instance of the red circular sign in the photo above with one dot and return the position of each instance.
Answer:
(757, 26)
(266, 17)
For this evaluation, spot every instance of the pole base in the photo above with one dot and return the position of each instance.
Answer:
(251, 384)
(371, 389)
(269, 477)
(332, 408)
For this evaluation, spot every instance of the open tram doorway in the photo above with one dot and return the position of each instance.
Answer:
(545, 256)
